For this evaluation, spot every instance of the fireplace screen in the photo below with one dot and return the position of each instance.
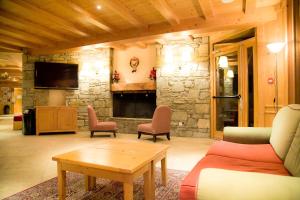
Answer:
(134, 105)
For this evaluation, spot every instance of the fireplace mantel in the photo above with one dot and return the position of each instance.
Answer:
(119, 87)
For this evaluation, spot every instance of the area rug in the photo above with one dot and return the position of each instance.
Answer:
(105, 189)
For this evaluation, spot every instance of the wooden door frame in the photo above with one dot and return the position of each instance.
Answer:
(241, 48)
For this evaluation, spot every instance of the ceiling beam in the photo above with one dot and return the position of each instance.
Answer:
(207, 9)
(47, 31)
(4, 50)
(141, 45)
(118, 46)
(165, 10)
(249, 6)
(18, 41)
(90, 17)
(197, 25)
(124, 12)
(65, 24)
(4, 45)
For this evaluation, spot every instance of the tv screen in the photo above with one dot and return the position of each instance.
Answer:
(55, 75)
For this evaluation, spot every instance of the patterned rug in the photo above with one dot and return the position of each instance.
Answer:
(105, 189)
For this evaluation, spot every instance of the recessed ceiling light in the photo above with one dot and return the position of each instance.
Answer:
(98, 7)
(227, 1)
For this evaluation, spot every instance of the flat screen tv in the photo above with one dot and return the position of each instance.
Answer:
(55, 75)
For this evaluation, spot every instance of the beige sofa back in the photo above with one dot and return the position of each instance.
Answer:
(284, 128)
(292, 160)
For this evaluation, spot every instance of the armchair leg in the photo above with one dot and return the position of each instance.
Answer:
(115, 134)
(92, 133)
(139, 135)
(168, 136)
(154, 138)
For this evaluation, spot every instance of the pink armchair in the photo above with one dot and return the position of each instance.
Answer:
(160, 125)
(97, 126)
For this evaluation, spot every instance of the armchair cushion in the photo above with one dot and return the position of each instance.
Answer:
(146, 128)
(104, 126)
(217, 184)
(292, 160)
(188, 185)
(247, 135)
(251, 152)
(284, 128)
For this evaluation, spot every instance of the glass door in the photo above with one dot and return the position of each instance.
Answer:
(233, 99)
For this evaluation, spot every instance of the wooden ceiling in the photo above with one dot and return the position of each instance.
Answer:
(48, 25)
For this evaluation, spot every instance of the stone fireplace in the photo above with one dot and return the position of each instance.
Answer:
(139, 104)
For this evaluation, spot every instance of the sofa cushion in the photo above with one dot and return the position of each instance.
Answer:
(188, 185)
(284, 128)
(252, 152)
(292, 160)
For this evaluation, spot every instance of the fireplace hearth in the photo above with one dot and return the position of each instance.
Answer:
(134, 104)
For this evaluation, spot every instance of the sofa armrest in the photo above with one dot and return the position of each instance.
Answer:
(220, 184)
(247, 135)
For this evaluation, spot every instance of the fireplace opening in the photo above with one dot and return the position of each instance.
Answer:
(134, 105)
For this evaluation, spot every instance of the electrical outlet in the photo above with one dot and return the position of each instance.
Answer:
(180, 123)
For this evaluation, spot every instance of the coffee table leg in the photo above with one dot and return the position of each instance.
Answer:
(61, 177)
(128, 191)
(164, 171)
(152, 174)
(148, 193)
(90, 182)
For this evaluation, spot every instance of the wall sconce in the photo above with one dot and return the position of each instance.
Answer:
(275, 48)
(223, 62)
(230, 73)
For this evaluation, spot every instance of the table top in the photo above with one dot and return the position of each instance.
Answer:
(125, 156)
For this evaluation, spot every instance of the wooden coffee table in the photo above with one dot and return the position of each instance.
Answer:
(119, 160)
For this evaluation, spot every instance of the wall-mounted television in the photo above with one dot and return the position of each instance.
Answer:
(55, 75)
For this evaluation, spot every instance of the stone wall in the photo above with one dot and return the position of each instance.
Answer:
(185, 87)
(129, 125)
(94, 83)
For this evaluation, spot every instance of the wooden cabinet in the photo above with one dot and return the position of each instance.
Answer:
(56, 119)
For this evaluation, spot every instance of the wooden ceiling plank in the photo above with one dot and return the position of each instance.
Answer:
(249, 6)
(124, 12)
(91, 18)
(9, 50)
(18, 41)
(49, 31)
(165, 10)
(9, 46)
(207, 9)
(24, 33)
(219, 23)
(65, 24)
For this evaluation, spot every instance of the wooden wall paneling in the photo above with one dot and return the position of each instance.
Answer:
(297, 49)
(274, 31)
(291, 51)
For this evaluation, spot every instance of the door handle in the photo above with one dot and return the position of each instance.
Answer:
(227, 97)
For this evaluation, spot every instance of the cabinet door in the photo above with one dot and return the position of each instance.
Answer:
(67, 119)
(46, 119)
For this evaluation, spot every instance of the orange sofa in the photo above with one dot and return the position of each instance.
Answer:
(271, 153)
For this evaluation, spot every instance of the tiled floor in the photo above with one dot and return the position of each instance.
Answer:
(26, 160)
